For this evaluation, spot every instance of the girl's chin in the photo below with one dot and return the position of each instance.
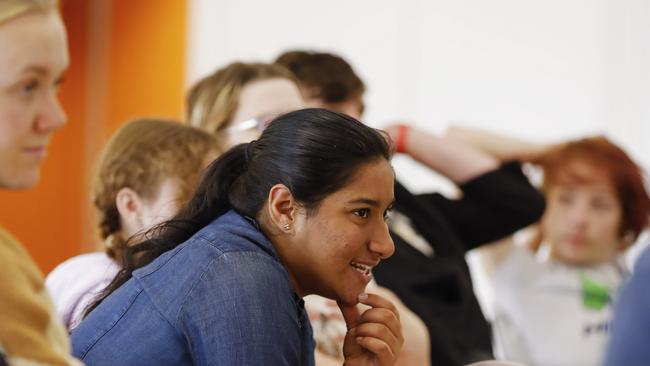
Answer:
(352, 297)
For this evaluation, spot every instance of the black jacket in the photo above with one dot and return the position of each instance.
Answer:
(439, 288)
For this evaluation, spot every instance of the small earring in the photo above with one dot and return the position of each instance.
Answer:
(286, 227)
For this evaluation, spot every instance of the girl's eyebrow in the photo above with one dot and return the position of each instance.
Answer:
(35, 69)
(41, 70)
(367, 201)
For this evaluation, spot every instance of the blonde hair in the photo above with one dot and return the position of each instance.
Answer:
(10, 9)
(213, 100)
(141, 155)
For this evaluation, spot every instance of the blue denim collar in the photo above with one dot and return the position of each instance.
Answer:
(246, 227)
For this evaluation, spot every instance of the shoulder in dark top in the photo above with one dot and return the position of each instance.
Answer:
(493, 205)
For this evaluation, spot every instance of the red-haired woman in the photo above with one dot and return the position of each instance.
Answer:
(553, 296)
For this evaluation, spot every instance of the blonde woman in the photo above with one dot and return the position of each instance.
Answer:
(148, 169)
(237, 101)
(33, 59)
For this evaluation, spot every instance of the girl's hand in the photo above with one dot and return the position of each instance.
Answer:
(374, 336)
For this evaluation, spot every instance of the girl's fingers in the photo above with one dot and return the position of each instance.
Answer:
(380, 332)
(379, 348)
(377, 330)
(385, 317)
(376, 301)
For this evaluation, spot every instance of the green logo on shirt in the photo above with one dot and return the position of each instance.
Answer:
(594, 295)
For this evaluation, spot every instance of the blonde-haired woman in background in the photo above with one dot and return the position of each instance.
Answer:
(33, 59)
(148, 170)
(237, 101)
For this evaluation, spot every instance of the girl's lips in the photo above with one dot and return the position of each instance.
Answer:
(576, 240)
(38, 151)
(363, 271)
(362, 268)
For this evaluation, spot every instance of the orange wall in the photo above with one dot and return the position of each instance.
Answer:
(147, 59)
(144, 72)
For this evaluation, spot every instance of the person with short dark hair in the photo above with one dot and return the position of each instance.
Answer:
(326, 81)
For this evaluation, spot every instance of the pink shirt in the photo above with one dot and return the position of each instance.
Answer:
(74, 284)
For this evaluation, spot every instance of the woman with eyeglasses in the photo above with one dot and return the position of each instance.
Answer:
(237, 101)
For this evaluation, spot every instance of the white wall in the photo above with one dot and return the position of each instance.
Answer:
(544, 69)
(538, 69)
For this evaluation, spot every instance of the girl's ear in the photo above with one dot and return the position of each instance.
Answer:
(282, 209)
(129, 205)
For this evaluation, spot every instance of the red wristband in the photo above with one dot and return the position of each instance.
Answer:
(400, 139)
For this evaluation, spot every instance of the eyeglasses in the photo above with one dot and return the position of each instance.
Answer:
(259, 123)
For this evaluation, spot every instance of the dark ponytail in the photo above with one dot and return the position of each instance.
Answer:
(314, 152)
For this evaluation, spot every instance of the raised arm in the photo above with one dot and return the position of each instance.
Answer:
(497, 198)
(500, 146)
(452, 158)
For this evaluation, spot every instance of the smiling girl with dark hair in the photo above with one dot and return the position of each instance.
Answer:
(300, 211)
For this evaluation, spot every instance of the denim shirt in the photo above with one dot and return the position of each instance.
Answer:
(220, 298)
